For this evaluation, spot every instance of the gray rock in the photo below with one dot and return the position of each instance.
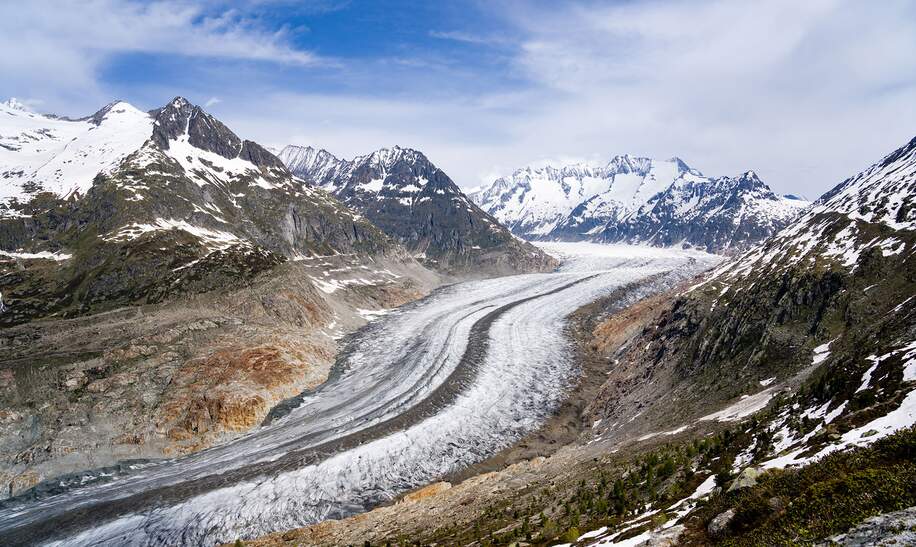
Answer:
(746, 479)
(719, 524)
(897, 528)
(410, 199)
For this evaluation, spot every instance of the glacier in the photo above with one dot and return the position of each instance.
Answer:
(421, 392)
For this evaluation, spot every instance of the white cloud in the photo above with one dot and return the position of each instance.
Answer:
(806, 93)
(212, 101)
(466, 37)
(58, 49)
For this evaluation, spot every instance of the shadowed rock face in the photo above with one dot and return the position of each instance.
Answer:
(403, 193)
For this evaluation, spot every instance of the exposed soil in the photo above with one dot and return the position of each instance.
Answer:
(162, 380)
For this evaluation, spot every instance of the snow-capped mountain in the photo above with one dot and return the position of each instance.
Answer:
(138, 205)
(403, 193)
(637, 200)
(63, 156)
(870, 215)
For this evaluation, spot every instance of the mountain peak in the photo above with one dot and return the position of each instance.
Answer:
(682, 166)
(637, 200)
(180, 117)
(750, 174)
(15, 104)
(386, 157)
(180, 102)
(310, 163)
(629, 163)
(117, 106)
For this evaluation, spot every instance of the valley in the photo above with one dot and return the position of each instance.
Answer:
(208, 343)
(402, 407)
(596, 273)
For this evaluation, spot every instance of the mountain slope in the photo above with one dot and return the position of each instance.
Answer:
(821, 298)
(63, 156)
(403, 193)
(223, 208)
(638, 200)
(165, 286)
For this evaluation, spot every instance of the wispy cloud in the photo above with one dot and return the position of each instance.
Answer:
(775, 86)
(66, 46)
(212, 101)
(467, 37)
(804, 94)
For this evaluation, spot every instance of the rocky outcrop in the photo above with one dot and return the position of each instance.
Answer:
(895, 528)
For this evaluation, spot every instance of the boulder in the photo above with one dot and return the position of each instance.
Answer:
(719, 524)
(746, 479)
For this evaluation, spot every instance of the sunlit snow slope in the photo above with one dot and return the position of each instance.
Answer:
(429, 389)
(63, 156)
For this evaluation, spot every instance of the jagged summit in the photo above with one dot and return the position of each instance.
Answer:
(872, 213)
(63, 156)
(15, 104)
(637, 200)
(401, 191)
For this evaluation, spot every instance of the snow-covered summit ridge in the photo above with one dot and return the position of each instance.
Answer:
(15, 104)
(63, 156)
(636, 199)
(382, 172)
(535, 200)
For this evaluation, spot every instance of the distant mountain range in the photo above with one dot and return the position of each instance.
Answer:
(638, 200)
(403, 193)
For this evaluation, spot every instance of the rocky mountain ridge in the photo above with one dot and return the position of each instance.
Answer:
(638, 200)
(89, 235)
(407, 196)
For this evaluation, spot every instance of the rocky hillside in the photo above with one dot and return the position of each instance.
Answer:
(403, 193)
(131, 207)
(807, 341)
(638, 200)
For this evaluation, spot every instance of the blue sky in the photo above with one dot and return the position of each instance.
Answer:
(803, 93)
